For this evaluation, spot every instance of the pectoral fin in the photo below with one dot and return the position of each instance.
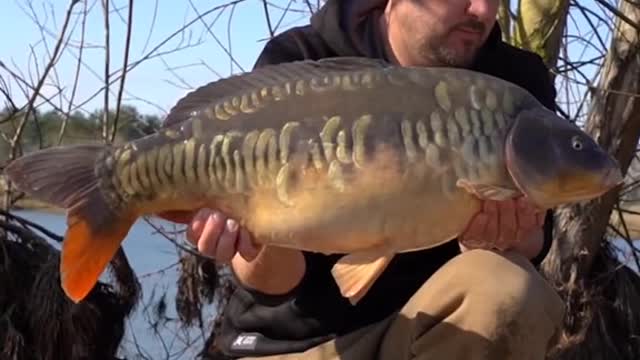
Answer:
(487, 192)
(357, 272)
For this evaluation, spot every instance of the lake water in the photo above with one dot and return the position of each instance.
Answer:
(148, 252)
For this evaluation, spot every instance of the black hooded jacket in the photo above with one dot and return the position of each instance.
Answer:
(254, 324)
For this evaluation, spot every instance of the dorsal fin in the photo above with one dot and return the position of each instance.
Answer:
(268, 75)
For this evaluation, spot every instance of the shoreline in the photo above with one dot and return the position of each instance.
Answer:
(632, 220)
(27, 204)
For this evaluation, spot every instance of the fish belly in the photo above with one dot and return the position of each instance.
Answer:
(386, 202)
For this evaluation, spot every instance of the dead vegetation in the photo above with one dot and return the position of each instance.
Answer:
(37, 321)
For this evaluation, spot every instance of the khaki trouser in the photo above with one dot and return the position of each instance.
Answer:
(480, 305)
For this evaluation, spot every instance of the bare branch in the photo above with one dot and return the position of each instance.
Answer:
(155, 53)
(127, 47)
(267, 17)
(76, 81)
(215, 38)
(107, 62)
(30, 106)
(620, 15)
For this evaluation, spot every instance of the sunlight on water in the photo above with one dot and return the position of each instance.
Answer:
(148, 252)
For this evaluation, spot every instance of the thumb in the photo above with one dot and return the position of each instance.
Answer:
(247, 248)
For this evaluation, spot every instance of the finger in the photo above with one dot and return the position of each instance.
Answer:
(491, 231)
(472, 237)
(526, 215)
(246, 247)
(194, 229)
(209, 236)
(227, 241)
(507, 224)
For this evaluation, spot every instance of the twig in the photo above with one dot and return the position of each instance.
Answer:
(215, 38)
(267, 17)
(175, 242)
(25, 234)
(124, 69)
(76, 81)
(152, 53)
(29, 223)
(284, 13)
(231, 58)
(107, 60)
(35, 93)
(152, 26)
(619, 14)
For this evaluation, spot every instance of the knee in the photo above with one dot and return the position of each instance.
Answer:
(495, 301)
(508, 286)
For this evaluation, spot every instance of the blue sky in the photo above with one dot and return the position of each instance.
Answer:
(151, 80)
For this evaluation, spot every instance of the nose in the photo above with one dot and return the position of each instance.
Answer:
(487, 10)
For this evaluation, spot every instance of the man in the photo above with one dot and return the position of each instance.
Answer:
(450, 302)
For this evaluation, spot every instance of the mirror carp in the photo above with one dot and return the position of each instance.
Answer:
(348, 156)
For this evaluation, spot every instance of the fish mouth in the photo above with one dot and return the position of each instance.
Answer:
(609, 180)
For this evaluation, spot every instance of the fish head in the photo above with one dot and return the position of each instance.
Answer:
(553, 162)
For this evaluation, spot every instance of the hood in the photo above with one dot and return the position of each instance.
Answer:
(349, 29)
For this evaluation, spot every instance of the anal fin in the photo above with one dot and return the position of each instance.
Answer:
(356, 273)
(86, 252)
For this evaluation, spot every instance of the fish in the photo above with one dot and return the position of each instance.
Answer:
(347, 155)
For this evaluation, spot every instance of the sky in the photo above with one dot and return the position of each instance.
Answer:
(200, 60)
(157, 83)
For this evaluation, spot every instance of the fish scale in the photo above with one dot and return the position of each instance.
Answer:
(345, 156)
(245, 160)
(231, 177)
(236, 159)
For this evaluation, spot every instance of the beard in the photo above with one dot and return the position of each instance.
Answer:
(436, 49)
(449, 56)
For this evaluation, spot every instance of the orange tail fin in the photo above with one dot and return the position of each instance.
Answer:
(66, 177)
(86, 252)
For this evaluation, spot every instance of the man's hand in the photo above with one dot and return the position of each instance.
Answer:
(504, 225)
(270, 270)
(215, 235)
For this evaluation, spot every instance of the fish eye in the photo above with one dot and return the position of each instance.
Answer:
(576, 143)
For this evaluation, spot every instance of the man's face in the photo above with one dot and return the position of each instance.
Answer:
(441, 32)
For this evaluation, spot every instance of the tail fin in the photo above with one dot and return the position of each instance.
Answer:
(65, 177)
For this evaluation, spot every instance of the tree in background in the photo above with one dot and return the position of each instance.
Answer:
(601, 321)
